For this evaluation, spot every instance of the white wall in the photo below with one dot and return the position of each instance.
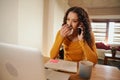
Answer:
(21, 22)
(31, 23)
(9, 21)
(59, 10)
(53, 17)
(30, 13)
(48, 25)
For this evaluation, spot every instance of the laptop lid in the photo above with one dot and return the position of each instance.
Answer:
(20, 63)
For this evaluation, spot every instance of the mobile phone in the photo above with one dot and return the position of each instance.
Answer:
(79, 31)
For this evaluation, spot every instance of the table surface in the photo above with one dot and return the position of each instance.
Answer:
(99, 72)
(110, 55)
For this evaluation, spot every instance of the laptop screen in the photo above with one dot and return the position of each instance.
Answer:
(20, 63)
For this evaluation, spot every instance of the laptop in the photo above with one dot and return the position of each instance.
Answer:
(20, 63)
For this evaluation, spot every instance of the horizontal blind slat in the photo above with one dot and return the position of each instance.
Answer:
(99, 30)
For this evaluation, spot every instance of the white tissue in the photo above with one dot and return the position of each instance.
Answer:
(70, 32)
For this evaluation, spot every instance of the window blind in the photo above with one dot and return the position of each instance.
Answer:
(99, 30)
(116, 36)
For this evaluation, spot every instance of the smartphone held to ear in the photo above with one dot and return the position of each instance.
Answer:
(79, 31)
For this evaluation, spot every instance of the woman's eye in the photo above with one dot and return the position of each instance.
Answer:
(75, 21)
(68, 19)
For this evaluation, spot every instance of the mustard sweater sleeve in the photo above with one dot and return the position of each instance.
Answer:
(56, 46)
(90, 54)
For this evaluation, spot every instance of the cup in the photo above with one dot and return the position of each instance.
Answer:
(85, 69)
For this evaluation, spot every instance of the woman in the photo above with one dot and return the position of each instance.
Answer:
(77, 46)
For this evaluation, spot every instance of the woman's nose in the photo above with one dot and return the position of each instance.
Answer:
(69, 23)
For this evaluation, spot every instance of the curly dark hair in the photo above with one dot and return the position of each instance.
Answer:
(84, 18)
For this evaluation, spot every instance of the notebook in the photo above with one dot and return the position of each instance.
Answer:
(62, 65)
(20, 63)
(56, 75)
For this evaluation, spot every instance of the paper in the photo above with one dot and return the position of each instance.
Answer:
(55, 75)
(62, 65)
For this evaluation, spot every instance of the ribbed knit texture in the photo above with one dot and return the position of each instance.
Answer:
(74, 51)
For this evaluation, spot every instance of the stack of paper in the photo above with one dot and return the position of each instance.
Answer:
(55, 75)
(62, 65)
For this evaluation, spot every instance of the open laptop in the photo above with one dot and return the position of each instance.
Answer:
(20, 63)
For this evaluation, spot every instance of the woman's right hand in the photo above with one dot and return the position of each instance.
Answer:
(65, 30)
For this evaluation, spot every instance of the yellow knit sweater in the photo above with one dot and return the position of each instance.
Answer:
(74, 51)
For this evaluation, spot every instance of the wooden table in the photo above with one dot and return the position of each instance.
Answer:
(99, 72)
(109, 56)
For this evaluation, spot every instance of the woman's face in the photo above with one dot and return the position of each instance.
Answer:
(72, 20)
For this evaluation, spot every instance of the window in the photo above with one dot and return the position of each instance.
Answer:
(116, 32)
(99, 30)
(106, 31)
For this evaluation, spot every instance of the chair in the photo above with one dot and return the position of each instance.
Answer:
(61, 53)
